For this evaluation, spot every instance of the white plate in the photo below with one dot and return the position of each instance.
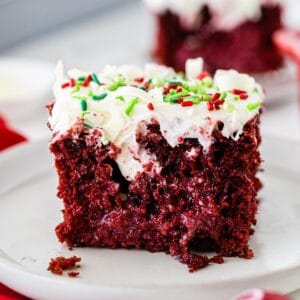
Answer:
(29, 212)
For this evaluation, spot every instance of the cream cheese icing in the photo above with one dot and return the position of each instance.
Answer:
(227, 14)
(119, 100)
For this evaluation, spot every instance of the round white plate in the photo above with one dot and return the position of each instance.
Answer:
(29, 211)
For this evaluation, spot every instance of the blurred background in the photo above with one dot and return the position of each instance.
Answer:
(35, 34)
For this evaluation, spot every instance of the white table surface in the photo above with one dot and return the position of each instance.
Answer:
(123, 36)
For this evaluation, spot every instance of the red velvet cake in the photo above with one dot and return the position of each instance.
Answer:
(226, 33)
(157, 160)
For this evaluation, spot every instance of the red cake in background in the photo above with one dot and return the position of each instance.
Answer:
(151, 159)
(228, 34)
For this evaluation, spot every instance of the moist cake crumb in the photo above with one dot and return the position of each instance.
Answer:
(59, 264)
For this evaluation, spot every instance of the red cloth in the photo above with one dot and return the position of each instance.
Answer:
(8, 137)
(7, 294)
(257, 294)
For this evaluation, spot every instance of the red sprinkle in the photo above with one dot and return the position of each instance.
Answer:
(173, 85)
(202, 75)
(166, 90)
(210, 106)
(180, 139)
(179, 100)
(87, 81)
(216, 96)
(147, 85)
(72, 82)
(65, 85)
(243, 96)
(139, 79)
(179, 89)
(214, 104)
(150, 106)
(186, 103)
(238, 92)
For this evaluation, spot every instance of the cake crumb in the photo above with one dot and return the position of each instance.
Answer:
(59, 264)
(73, 274)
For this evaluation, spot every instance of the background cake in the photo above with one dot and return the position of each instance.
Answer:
(155, 160)
(226, 33)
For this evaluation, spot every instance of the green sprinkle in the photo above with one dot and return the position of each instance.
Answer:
(75, 89)
(121, 98)
(196, 100)
(223, 95)
(117, 84)
(83, 105)
(81, 78)
(95, 78)
(174, 99)
(142, 88)
(206, 97)
(131, 106)
(236, 98)
(208, 81)
(202, 91)
(90, 93)
(166, 99)
(99, 97)
(254, 105)
(172, 91)
(88, 126)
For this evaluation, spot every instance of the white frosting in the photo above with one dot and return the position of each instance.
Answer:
(227, 14)
(175, 121)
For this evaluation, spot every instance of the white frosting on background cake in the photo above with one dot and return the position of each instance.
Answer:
(111, 116)
(226, 13)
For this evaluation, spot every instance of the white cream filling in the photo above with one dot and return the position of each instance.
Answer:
(175, 121)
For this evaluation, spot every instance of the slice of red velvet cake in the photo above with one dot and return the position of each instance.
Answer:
(226, 33)
(151, 159)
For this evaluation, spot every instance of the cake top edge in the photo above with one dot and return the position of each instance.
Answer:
(117, 98)
(226, 14)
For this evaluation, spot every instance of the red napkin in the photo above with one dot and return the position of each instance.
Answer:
(8, 137)
(257, 294)
(7, 294)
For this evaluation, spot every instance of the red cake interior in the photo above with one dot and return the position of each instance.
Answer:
(201, 201)
(247, 48)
